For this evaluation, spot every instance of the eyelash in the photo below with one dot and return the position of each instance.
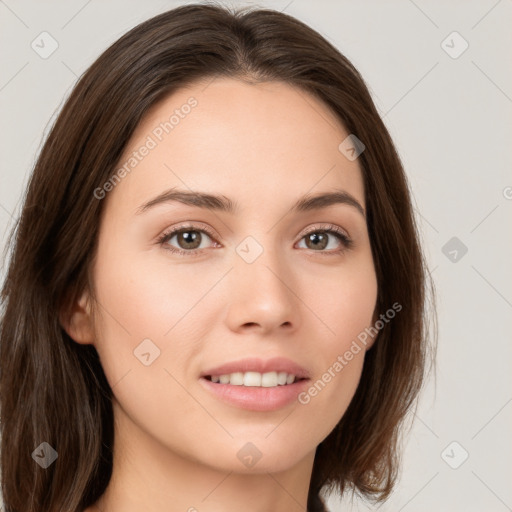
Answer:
(346, 242)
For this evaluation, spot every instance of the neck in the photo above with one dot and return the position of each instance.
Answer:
(151, 477)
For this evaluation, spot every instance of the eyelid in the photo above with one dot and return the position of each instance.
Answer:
(325, 227)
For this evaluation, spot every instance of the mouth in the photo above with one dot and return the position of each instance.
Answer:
(255, 379)
(256, 384)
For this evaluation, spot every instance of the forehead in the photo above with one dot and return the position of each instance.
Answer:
(250, 141)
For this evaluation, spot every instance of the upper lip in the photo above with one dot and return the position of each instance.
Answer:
(275, 364)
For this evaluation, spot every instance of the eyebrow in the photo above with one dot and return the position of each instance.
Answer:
(222, 203)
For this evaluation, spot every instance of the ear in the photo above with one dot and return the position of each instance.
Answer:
(77, 320)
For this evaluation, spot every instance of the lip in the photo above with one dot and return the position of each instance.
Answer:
(275, 364)
(255, 398)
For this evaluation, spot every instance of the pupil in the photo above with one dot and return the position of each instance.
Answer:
(190, 238)
(318, 240)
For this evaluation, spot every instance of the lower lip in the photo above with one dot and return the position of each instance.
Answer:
(255, 398)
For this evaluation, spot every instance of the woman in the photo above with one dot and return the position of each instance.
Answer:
(216, 296)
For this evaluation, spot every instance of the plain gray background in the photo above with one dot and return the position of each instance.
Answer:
(449, 112)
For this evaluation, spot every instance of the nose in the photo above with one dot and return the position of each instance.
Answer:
(262, 296)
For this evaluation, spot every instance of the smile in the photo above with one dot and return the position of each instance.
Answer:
(254, 379)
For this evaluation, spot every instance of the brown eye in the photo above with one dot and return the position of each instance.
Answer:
(190, 239)
(186, 240)
(317, 240)
(328, 241)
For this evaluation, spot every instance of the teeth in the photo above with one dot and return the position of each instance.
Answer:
(255, 379)
(236, 379)
(281, 378)
(252, 379)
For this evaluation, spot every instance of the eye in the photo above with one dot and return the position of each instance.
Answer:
(189, 240)
(328, 240)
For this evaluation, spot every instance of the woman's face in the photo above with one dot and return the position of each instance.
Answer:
(257, 291)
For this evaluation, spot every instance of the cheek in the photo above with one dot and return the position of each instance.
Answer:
(345, 305)
(148, 331)
(343, 299)
(140, 302)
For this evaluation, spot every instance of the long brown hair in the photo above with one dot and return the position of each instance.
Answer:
(54, 390)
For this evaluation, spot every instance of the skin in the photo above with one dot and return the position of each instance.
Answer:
(176, 444)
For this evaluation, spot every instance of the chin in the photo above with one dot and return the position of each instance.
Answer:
(256, 454)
